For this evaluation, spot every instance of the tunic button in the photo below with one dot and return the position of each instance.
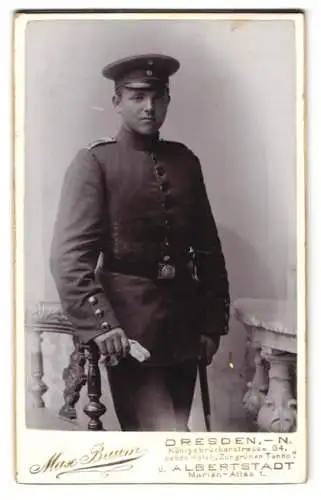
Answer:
(105, 325)
(92, 300)
(164, 187)
(160, 171)
(99, 313)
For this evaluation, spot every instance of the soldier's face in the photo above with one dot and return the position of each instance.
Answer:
(142, 110)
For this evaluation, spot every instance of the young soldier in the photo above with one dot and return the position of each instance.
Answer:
(140, 203)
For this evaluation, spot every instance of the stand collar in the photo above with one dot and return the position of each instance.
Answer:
(137, 141)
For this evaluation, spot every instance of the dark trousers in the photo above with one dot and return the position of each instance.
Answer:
(152, 398)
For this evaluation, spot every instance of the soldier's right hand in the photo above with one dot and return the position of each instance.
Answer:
(113, 345)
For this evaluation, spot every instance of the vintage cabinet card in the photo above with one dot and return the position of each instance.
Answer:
(200, 231)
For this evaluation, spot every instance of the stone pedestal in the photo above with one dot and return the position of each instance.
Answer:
(271, 327)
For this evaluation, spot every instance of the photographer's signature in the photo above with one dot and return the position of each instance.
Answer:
(97, 459)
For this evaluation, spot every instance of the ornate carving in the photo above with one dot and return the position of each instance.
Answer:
(94, 409)
(278, 413)
(75, 378)
(272, 326)
(48, 316)
(38, 387)
(258, 387)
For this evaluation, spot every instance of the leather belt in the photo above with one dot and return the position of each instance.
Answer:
(152, 270)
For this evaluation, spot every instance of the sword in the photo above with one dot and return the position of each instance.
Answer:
(205, 394)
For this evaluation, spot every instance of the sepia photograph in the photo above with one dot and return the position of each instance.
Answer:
(160, 238)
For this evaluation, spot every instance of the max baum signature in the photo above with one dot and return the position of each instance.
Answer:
(102, 461)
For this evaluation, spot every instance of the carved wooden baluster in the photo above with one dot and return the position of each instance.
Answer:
(75, 378)
(278, 413)
(94, 409)
(38, 387)
(258, 387)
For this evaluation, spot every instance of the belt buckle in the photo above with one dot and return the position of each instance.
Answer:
(166, 271)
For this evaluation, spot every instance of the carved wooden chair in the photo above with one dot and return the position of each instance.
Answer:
(83, 368)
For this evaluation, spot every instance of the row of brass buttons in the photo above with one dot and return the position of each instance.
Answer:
(165, 200)
(99, 313)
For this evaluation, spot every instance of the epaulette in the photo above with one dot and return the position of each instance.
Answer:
(104, 140)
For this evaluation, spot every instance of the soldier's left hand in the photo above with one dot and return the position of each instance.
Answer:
(208, 348)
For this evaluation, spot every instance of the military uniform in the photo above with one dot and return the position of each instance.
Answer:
(140, 203)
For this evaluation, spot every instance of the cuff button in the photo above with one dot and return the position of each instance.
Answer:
(99, 313)
(92, 300)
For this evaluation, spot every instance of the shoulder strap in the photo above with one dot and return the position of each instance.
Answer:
(104, 140)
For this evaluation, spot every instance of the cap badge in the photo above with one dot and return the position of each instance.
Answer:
(149, 71)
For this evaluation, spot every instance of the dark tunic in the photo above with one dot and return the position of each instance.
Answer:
(134, 201)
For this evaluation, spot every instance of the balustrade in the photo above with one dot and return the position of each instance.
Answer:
(271, 395)
(83, 365)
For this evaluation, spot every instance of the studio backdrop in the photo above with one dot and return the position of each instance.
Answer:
(233, 104)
